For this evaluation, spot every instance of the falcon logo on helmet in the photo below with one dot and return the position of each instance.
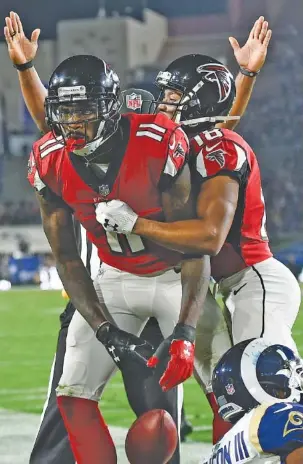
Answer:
(219, 74)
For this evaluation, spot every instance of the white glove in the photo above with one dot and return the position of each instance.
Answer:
(116, 216)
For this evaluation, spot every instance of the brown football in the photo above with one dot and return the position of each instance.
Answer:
(152, 438)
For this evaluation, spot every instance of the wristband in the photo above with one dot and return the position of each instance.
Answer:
(24, 66)
(184, 332)
(248, 73)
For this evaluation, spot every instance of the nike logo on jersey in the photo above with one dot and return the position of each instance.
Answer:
(285, 408)
(213, 147)
(238, 289)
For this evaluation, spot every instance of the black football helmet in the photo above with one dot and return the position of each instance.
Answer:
(255, 372)
(82, 106)
(207, 89)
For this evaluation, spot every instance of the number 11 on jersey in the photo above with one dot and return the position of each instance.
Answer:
(133, 242)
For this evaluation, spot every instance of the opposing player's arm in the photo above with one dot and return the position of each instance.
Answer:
(58, 227)
(195, 270)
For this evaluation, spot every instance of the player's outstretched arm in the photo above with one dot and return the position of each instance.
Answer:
(21, 50)
(178, 348)
(205, 235)
(216, 206)
(251, 57)
(177, 352)
(120, 345)
(195, 270)
(58, 227)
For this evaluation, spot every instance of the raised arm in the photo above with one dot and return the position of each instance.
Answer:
(21, 50)
(250, 58)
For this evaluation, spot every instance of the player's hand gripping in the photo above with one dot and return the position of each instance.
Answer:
(176, 353)
(20, 48)
(122, 346)
(116, 216)
(253, 54)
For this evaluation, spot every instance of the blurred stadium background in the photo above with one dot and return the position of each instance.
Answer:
(137, 37)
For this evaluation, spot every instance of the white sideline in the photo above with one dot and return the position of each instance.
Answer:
(17, 432)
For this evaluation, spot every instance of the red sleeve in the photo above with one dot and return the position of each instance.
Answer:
(216, 154)
(38, 184)
(33, 173)
(177, 157)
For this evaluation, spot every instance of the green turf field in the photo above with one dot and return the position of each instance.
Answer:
(28, 330)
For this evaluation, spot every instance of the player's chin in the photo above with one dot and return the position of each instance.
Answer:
(168, 114)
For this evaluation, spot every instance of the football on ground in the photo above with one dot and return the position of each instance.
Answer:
(152, 438)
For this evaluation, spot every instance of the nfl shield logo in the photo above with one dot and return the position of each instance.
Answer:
(230, 389)
(104, 190)
(133, 101)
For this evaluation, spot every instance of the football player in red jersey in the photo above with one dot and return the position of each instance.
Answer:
(93, 154)
(83, 113)
(31, 83)
(262, 295)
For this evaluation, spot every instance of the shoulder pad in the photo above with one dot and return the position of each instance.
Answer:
(217, 151)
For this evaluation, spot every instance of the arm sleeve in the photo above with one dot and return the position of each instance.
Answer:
(220, 157)
(40, 186)
(176, 159)
(278, 429)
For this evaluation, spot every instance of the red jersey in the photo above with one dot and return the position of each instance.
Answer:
(152, 153)
(224, 152)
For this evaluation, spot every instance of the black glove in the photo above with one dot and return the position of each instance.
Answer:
(122, 346)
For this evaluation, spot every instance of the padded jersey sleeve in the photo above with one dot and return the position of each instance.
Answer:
(217, 154)
(277, 429)
(39, 185)
(177, 158)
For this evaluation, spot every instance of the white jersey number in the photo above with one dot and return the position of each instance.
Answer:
(120, 243)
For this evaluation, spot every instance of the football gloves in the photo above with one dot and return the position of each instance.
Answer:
(123, 347)
(116, 216)
(176, 353)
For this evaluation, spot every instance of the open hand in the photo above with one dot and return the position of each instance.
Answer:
(253, 54)
(20, 48)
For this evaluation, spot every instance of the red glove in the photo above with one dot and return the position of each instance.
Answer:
(177, 353)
